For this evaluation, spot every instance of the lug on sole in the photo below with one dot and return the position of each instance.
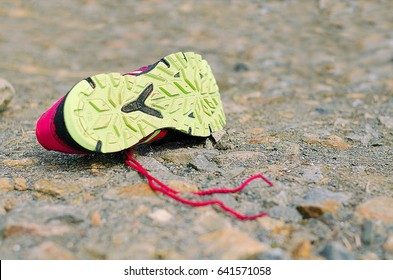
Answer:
(112, 112)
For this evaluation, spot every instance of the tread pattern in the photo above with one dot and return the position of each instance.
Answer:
(111, 112)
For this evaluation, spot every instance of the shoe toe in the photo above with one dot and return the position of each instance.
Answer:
(46, 132)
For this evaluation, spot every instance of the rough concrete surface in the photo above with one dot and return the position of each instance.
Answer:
(307, 88)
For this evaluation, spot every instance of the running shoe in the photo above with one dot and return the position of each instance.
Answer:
(112, 112)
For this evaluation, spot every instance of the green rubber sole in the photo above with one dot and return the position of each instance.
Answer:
(112, 112)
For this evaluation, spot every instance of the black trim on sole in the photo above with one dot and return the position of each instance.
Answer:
(91, 82)
(61, 129)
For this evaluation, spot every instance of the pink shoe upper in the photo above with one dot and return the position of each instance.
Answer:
(46, 132)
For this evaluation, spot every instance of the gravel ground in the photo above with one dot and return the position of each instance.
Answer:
(307, 88)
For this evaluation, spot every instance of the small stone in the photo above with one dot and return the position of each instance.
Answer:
(231, 244)
(10, 204)
(302, 250)
(332, 141)
(388, 246)
(160, 215)
(312, 174)
(211, 221)
(19, 163)
(182, 156)
(49, 250)
(20, 184)
(5, 185)
(240, 67)
(218, 135)
(237, 157)
(129, 192)
(262, 140)
(387, 121)
(209, 144)
(274, 254)
(151, 164)
(34, 229)
(182, 186)
(136, 251)
(320, 194)
(341, 123)
(201, 163)
(96, 219)
(336, 251)
(369, 256)
(255, 131)
(317, 209)
(56, 187)
(284, 213)
(271, 224)
(378, 208)
(233, 172)
(336, 142)
(7, 93)
(368, 233)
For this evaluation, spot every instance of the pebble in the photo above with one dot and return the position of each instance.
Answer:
(49, 250)
(6, 185)
(19, 163)
(151, 164)
(332, 141)
(287, 214)
(201, 163)
(20, 184)
(318, 209)
(336, 251)
(274, 254)
(182, 186)
(302, 250)
(96, 219)
(129, 192)
(387, 121)
(233, 172)
(312, 174)
(237, 157)
(135, 251)
(270, 224)
(230, 244)
(7, 93)
(378, 208)
(211, 221)
(56, 187)
(180, 156)
(388, 245)
(320, 194)
(368, 234)
(11, 203)
(160, 215)
(218, 135)
(35, 229)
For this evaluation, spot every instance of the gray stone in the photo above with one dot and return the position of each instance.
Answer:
(368, 233)
(274, 254)
(387, 121)
(218, 135)
(312, 174)
(201, 163)
(336, 251)
(7, 93)
(287, 214)
(319, 194)
(151, 164)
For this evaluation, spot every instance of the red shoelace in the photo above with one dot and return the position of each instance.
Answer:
(158, 186)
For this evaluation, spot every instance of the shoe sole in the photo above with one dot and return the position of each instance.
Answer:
(112, 112)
